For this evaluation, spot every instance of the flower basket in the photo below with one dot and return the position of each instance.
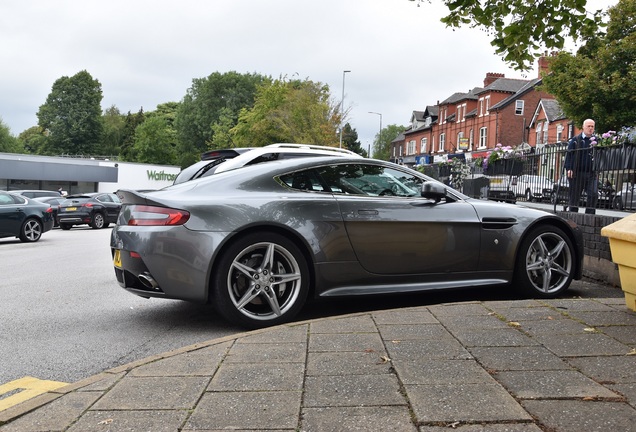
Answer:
(505, 167)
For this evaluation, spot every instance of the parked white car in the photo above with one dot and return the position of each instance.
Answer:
(532, 187)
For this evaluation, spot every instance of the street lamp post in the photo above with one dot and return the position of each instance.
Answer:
(380, 133)
(342, 104)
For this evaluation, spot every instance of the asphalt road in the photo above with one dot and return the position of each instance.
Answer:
(63, 317)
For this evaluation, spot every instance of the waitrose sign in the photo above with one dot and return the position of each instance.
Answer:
(160, 175)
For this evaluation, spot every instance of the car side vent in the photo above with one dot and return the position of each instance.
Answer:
(498, 223)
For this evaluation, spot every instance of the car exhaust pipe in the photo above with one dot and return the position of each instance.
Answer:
(148, 281)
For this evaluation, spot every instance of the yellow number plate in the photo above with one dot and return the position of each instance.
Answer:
(71, 208)
(117, 258)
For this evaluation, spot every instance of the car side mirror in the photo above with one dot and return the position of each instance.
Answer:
(433, 190)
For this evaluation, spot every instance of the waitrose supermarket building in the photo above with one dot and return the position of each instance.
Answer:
(78, 175)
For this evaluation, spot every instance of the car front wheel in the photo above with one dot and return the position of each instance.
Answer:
(545, 263)
(31, 230)
(261, 280)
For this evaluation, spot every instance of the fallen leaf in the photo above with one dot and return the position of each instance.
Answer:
(384, 359)
(105, 422)
(396, 341)
(632, 352)
(514, 324)
(369, 350)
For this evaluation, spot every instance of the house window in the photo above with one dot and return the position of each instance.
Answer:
(460, 135)
(545, 132)
(519, 107)
(487, 105)
(559, 131)
(442, 141)
(481, 107)
(483, 137)
(471, 138)
(423, 145)
(411, 148)
(539, 134)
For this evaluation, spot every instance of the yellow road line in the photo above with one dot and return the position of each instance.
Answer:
(27, 388)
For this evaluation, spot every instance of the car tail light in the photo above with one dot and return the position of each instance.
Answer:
(49, 210)
(142, 215)
(89, 205)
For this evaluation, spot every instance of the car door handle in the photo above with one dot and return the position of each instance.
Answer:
(367, 212)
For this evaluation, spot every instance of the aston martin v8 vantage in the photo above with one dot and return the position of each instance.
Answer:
(261, 240)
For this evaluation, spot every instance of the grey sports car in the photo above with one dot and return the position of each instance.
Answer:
(258, 241)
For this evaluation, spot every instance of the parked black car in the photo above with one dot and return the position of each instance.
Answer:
(36, 193)
(23, 218)
(98, 209)
(54, 202)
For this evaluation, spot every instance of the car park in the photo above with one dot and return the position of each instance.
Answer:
(98, 209)
(54, 202)
(259, 241)
(24, 218)
(219, 160)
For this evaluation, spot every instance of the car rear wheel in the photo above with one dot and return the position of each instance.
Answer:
(31, 230)
(545, 263)
(262, 280)
(98, 221)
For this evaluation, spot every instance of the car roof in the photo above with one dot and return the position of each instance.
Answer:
(285, 148)
(224, 153)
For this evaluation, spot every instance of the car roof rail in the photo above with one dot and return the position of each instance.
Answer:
(311, 147)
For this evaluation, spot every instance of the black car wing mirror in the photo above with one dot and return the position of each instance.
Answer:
(433, 190)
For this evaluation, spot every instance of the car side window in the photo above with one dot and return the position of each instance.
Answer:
(370, 180)
(6, 199)
(303, 180)
(104, 198)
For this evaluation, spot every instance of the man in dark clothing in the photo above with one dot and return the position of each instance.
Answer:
(579, 166)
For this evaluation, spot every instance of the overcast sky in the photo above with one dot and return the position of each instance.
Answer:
(146, 53)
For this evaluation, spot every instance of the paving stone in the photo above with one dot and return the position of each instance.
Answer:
(104, 384)
(605, 318)
(405, 316)
(493, 337)
(551, 384)
(258, 377)
(517, 303)
(246, 411)
(148, 393)
(428, 349)
(581, 345)
(610, 369)
(268, 353)
(201, 362)
(356, 324)
(518, 358)
(459, 309)
(626, 390)
(578, 305)
(291, 333)
(130, 421)
(579, 416)
(552, 327)
(529, 314)
(345, 363)
(413, 331)
(490, 427)
(464, 403)
(357, 419)
(353, 390)
(345, 342)
(453, 323)
(441, 372)
(55, 416)
(624, 334)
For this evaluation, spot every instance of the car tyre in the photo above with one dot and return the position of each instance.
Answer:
(98, 221)
(262, 279)
(31, 230)
(545, 262)
(65, 226)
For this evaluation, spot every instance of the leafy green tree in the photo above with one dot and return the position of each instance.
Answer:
(34, 141)
(383, 140)
(8, 143)
(113, 136)
(128, 140)
(350, 140)
(288, 111)
(72, 115)
(522, 29)
(155, 141)
(212, 104)
(599, 82)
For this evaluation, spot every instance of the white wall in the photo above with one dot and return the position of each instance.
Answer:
(139, 176)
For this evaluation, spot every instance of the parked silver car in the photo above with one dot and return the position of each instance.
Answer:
(260, 240)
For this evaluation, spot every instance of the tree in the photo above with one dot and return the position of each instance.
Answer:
(350, 140)
(128, 140)
(34, 141)
(8, 143)
(72, 115)
(599, 82)
(290, 112)
(522, 29)
(113, 136)
(212, 104)
(383, 140)
(155, 140)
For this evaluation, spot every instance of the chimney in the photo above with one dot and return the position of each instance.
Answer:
(491, 77)
(544, 63)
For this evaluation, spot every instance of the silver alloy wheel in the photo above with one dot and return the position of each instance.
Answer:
(264, 281)
(31, 231)
(98, 221)
(549, 263)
